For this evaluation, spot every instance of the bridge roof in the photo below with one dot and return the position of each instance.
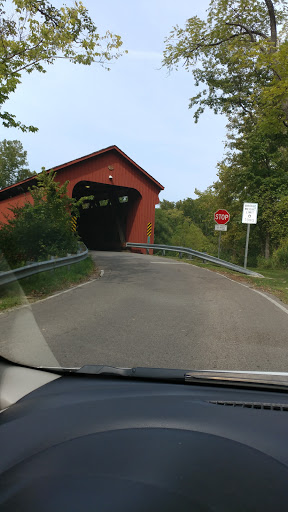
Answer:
(22, 186)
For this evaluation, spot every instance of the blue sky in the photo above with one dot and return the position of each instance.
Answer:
(137, 105)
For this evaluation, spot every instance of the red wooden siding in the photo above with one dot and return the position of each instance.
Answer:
(94, 167)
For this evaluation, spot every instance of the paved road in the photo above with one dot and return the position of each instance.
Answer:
(151, 311)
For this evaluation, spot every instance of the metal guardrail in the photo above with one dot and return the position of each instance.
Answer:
(41, 266)
(197, 254)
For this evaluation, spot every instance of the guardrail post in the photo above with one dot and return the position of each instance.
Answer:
(52, 269)
(163, 252)
(180, 255)
(69, 266)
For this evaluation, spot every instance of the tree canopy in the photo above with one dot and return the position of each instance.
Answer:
(239, 55)
(34, 33)
(174, 227)
(239, 60)
(13, 163)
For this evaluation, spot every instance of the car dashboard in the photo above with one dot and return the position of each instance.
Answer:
(108, 443)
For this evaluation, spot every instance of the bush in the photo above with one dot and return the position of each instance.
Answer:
(264, 263)
(280, 256)
(41, 229)
(278, 260)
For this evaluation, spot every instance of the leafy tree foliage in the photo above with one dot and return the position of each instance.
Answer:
(256, 171)
(13, 163)
(201, 211)
(172, 227)
(239, 55)
(36, 33)
(41, 228)
(280, 257)
(163, 230)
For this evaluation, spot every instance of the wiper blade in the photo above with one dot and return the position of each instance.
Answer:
(137, 372)
(277, 379)
(212, 377)
(99, 369)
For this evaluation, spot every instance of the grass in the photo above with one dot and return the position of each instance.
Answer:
(273, 281)
(44, 284)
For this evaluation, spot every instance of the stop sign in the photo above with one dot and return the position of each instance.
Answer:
(221, 217)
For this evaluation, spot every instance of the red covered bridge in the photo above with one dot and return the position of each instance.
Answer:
(124, 198)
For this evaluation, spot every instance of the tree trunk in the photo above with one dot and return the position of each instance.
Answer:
(273, 24)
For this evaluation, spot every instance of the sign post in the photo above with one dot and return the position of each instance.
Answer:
(221, 218)
(249, 216)
(246, 246)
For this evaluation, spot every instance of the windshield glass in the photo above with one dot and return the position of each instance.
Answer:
(143, 184)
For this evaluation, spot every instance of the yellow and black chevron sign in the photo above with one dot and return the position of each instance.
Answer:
(149, 228)
(74, 223)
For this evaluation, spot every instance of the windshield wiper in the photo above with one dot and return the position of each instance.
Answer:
(137, 372)
(277, 379)
(227, 378)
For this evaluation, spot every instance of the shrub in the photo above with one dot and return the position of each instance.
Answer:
(42, 228)
(280, 256)
(265, 263)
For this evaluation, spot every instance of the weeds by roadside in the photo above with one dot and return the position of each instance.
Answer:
(43, 284)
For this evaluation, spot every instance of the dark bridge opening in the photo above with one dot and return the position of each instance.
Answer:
(103, 219)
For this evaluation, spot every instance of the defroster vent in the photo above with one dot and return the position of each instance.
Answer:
(252, 405)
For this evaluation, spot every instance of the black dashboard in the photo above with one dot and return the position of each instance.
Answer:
(110, 444)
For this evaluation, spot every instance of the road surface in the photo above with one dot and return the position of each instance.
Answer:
(151, 311)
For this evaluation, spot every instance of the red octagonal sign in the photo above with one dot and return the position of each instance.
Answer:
(221, 217)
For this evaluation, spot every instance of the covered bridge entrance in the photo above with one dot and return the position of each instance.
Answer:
(103, 220)
(122, 203)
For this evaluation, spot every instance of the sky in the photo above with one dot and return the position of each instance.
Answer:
(137, 106)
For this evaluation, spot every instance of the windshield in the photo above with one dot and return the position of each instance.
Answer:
(143, 184)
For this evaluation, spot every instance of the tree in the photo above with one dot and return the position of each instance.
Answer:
(167, 205)
(256, 171)
(201, 210)
(13, 163)
(37, 33)
(239, 55)
(173, 228)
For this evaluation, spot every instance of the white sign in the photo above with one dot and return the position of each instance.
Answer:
(220, 227)
(249, 215)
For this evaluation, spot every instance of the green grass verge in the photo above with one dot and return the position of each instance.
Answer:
(44, 284)
(274, 281)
